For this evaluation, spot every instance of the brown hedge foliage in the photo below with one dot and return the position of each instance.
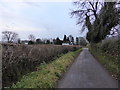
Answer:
(111, 47)
(108, 52)
(18, 60)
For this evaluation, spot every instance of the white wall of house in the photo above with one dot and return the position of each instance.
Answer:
(65, 44)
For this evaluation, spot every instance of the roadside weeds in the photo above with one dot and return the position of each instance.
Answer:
(47, 75)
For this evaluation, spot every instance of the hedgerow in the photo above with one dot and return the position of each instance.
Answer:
(108, 53)
(18, 60)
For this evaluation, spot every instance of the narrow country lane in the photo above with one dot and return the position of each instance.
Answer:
(86, 72)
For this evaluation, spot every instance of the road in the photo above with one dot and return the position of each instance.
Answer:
(86, 72)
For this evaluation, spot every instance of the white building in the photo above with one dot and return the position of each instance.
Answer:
(65, 44)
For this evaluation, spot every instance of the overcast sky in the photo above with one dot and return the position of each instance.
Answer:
(42, 19)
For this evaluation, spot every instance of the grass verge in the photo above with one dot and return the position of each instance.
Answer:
(47, 75)
(108, 61)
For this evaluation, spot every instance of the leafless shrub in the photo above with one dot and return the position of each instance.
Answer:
(18, 60)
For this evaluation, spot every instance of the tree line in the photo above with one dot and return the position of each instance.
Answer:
(12, 37)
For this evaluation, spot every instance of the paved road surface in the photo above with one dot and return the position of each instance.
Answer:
(86, 72)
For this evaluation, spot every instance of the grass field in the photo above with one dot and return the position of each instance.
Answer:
(47, 75)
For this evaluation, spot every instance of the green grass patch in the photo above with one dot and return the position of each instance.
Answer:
(47, 75)
(110, 62)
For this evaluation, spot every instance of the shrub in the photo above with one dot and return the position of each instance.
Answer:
(108, 53)
(18, 60)
(30, 42)
(111, 47)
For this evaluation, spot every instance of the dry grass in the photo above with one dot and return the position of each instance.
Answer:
(47, 75)
(17, 60)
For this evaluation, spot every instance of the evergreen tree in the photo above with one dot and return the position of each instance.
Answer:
(77, 40)
(58, 41)
(65, 38)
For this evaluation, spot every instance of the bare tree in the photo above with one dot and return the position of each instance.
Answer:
(98, 17)
(9, 36)
(85, 9)
(31, 37)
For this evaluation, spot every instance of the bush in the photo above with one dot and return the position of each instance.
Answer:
(18, 60)
(30, 42)
(47, 75)
(111, 47)
(108, 53)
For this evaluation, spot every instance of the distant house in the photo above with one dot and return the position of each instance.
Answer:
(24, 42)
(65, 44)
